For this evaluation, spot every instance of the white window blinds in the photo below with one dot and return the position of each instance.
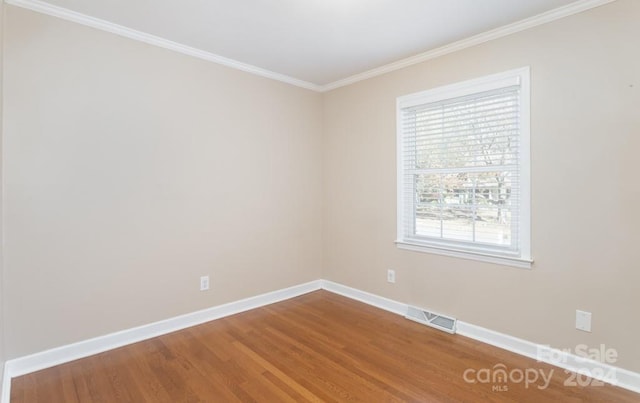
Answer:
(461, 176)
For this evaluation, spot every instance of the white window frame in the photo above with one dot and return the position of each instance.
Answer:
(522, 258)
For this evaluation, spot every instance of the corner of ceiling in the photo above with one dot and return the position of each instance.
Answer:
(69, 15)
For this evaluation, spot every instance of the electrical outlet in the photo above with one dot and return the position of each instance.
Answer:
(391, 276)
(583, 320)
(204, 283)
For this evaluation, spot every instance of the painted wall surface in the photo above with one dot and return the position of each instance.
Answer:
(131, 171)
(585, 137)
(2, 294)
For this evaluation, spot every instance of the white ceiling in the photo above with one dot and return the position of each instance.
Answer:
(316, 41)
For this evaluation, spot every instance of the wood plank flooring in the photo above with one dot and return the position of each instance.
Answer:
(319, 347)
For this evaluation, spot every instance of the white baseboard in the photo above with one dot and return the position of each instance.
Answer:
(594, 369)
(45, 359)
(5, 397)
(49, 358)
(603, 372)
(497, 339)
(363, 296)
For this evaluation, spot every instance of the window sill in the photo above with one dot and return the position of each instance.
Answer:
(470, 255)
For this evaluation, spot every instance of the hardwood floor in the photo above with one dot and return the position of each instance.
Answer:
(317, 347)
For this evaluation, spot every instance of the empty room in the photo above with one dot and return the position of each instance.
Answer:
(320, 200)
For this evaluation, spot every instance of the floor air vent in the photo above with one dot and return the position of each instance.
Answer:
(432, 319)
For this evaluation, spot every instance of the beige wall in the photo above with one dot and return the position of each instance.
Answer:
(2, 295)
(585, 137)
(130, 171)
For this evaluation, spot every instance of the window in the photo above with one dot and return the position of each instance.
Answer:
(463, 169)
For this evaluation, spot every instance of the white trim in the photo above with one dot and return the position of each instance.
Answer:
(493, 254)
(524, 226)
(623, 378)
(496, 339)
(597, 370)
(540, 19)
(370, 299)
(83, 19)
(467, 254)
(463, 88)
(549, 16)
(70, 352)
(6, 385)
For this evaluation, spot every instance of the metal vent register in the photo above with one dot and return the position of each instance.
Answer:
(432, 319)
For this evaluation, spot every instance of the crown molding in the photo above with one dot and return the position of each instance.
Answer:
(540, 19)
(83, 19)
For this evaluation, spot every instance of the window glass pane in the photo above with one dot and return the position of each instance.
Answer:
(457, 189)
(493, 188)
(493, 226)
(428, 211)
(457, 224)
(428, 189)
(428, 220)
(471, 207)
